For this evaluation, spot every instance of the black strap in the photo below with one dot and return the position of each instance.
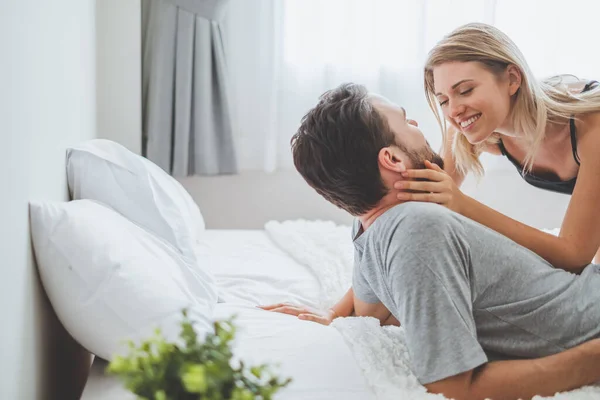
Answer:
(589, 85)
(507, 155)
(574, 141)
(573, 131)
(502, 148)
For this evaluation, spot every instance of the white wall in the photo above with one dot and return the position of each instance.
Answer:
(118, 60)
(248, 200)
(47, 92)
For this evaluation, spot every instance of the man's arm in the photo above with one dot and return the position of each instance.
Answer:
(347, 306)
(344, 307)
(375, 310)
(351, 305)
(523, 379)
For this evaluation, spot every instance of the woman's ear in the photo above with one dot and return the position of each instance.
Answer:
(390, 158)
(514, 78)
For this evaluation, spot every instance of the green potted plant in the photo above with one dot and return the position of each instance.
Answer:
(158, 370)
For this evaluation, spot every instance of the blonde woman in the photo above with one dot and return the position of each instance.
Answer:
(486, 99)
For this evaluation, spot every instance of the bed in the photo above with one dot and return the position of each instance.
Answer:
(251, 270)
(297, 261)
(354, 358)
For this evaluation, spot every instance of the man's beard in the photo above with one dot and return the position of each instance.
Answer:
(418, 157)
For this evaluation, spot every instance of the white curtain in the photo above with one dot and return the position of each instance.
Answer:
(282, 54)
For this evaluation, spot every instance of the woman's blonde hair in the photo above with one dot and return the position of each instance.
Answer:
(535, 103)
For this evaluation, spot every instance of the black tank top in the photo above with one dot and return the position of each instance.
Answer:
(554, 185)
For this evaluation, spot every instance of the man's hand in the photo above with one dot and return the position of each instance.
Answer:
(303, 312)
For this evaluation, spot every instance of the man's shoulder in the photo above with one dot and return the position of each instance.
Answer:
(418, 206)
(413, 211)
(405, 223)
(409, 222)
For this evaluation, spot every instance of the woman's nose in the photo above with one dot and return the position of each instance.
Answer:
(456, 109)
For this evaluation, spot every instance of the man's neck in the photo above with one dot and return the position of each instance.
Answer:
(367, 219)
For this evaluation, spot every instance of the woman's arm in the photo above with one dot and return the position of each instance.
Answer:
(580, 230)
(579, 237)
(558, 251)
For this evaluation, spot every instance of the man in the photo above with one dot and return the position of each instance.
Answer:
(483, 316)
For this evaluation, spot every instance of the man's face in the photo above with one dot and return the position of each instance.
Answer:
(409, 137)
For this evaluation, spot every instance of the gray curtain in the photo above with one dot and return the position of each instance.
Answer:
(186, 116)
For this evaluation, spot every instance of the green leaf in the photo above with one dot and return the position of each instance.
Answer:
(194, 379)
(256, 371)
(242, 394)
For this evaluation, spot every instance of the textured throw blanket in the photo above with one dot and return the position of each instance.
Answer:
(327, 250)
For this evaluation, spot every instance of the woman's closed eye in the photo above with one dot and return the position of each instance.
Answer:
(463, 93)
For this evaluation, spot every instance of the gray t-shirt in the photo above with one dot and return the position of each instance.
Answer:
(465, 294)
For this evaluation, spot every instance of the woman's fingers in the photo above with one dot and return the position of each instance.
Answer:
(434, 166)
(431, 185)
(422, 186)
(428, 174)
(439, 198)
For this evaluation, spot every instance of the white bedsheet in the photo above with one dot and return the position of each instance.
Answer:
(250, 270)
(316, 357)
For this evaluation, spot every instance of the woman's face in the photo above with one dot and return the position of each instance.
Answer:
(473, 99)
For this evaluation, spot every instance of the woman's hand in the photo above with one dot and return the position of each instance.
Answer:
(303, 312)
(438, 187)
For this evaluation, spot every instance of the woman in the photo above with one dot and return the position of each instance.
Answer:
(549, 130)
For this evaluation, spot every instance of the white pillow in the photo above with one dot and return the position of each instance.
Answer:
(105, 171)
(110, 280)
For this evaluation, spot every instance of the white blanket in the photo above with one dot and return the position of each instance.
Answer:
(380, 352)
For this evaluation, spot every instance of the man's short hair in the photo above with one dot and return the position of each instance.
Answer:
(337, 145)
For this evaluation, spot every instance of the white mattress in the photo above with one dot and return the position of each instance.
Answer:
(251, 270)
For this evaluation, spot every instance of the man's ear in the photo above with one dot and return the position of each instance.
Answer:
(391, 158)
